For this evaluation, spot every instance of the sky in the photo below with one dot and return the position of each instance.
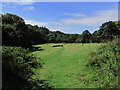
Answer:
(68, 17)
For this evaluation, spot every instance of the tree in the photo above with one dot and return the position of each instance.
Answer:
(95, 37)
(14, 31)
(51, 37)
(78, 39)
(109, 30)
(72, 38)
(85, 37)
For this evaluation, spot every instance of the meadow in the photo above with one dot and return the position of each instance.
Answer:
(65, 67)
(30, 62)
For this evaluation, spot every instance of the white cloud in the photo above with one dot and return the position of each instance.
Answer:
(33, 22)
(29, 8)
(24, 3)
(20, 2)
(76, 15)
(101, 17)
(65, 29)
(60, 28)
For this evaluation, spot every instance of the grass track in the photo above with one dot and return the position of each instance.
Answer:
(65, 66)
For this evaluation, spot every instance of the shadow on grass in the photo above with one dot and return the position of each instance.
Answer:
(12, 81)
(32, 49)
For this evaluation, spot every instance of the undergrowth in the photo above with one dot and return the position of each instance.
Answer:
(105, 63)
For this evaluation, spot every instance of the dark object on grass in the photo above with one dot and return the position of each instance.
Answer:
(57, 45)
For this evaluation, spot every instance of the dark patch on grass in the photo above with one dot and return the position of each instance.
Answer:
(32, 49)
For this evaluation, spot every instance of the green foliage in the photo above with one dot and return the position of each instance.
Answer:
(85, 37)
(18, 65)
(17, 33)
(14, 31)
(107, 32)
(106, 63)
(36, 34)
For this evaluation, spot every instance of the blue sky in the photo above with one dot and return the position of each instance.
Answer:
(68, 17)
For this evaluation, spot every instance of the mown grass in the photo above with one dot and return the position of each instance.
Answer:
(65, 67)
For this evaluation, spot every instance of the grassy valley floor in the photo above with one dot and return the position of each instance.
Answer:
(65, 67)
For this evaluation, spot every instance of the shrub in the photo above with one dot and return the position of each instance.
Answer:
(18, 65)
(106, 62)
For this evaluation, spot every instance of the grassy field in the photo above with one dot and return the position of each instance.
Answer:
(65, 67)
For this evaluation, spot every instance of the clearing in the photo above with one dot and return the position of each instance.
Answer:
(65, 67)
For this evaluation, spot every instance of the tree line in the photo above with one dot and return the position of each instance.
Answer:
(16, 33)
(17, 61)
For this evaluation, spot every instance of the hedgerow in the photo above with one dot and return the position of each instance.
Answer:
(18, 65)
(105, 63)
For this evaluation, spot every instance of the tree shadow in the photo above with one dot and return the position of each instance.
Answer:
(32, 49)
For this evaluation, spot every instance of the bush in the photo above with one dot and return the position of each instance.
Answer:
(106, 62)
(18, 65)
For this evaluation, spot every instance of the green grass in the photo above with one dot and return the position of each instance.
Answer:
(65, 67)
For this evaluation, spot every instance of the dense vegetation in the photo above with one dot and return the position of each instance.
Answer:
(106, 63)
(17, 33)
(19, 64)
